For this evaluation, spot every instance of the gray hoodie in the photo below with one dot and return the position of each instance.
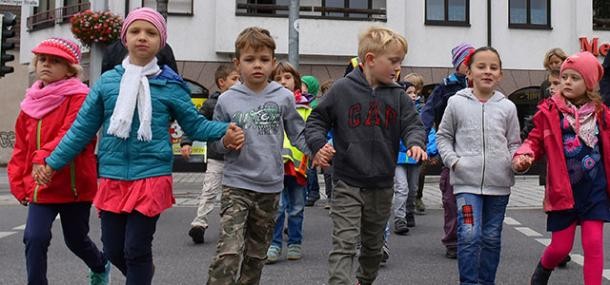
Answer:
(477, 141)
(264, 117)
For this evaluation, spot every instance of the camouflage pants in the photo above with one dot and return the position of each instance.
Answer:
(247, 222)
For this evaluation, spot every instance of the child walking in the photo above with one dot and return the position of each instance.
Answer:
(367, 111)
(477, 137)
(135, 156)
(253, 176)
(225, 76)
(571, 129)
(47, 112)
(292, 199)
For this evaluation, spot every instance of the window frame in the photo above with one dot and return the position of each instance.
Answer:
(446, 21)
(169, 13)
(528, 25)
(322, 9)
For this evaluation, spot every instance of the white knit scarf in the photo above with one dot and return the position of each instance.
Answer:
(134, 89)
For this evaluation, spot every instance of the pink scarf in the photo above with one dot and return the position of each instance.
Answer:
(40, 100)
(582, 119)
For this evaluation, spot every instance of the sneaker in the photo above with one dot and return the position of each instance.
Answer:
(420, 207)
(294, 252)
(451, 253)
(401, 227)
(386, 254)
(564, 262)
(410, 220)
(273, 254)
(102, 278)
(197, 233)
(327, 205)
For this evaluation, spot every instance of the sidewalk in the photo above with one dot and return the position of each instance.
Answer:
(526, 194)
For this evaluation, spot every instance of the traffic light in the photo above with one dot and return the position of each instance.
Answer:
(8, 23)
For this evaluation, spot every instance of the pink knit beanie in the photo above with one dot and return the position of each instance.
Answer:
(149, 15)
(587, 66)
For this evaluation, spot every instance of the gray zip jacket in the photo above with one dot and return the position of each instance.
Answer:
(477, 141)
(264, 117)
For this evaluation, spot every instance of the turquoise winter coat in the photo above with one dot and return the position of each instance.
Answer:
(131, 159)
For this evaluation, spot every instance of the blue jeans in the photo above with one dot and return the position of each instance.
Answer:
(127, 240)
(292, 203)
(75, 226)
(313, 188)
(479, 233)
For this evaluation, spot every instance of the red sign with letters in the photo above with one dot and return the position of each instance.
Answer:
(593, 46)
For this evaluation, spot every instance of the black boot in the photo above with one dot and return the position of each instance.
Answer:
(541, 275)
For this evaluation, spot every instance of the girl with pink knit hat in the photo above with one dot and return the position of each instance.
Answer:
(47, 112)
(133, 104)
(572, 128)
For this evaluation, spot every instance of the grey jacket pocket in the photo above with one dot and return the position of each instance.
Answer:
(467, 171)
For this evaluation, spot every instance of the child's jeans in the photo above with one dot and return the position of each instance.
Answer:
(75, 226)
(127, 240)
(406, 178)
(292, 204)
(358, 215)
(246, 222)
(212, 186)
(479, 231)
(312, 188)
(450, 210)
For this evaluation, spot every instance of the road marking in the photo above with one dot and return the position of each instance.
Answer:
(5, 234)
(528, 232)
(544, 241)
(576, 258)
(19, 228)
(511, 222)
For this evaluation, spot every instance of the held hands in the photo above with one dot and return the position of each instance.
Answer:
(522, 162)
(417, 153)
(323, 156)
(42, 174)
(234, 137)
(186, 151)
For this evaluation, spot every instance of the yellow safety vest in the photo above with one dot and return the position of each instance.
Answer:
(291, 153)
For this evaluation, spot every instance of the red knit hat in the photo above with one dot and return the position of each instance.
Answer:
(59, 47)
(587, 65)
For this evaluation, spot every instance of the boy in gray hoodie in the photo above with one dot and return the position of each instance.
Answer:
(369, 115)
(253, 176)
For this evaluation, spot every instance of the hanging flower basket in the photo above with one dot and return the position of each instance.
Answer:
(98, 27)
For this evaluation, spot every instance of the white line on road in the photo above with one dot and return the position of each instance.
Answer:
(544, 241)
(510, 221)
(578, 259)
(607, 274)
(528, 232)
(19, 228)
(5, 234)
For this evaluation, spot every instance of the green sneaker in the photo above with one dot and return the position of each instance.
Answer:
(294, 252)
(102, 278)
(273, 254)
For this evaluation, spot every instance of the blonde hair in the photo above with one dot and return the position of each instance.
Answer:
(553, 52)
(255, 38)
(378, 39)
(75, 69)
(416, 80)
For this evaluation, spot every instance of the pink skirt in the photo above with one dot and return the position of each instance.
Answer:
(149, 196)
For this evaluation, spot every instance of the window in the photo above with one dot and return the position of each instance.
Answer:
(365, 10)
(448, 12)
(601, 15)
(72, 7)
(174, 7)
(529, 14)
(43, 16)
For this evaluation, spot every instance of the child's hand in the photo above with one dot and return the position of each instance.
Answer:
(24, 202)
(234, 137)
(186, 151)
(323, 156)
(522, 162)
(417, 153)
(42, 173)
